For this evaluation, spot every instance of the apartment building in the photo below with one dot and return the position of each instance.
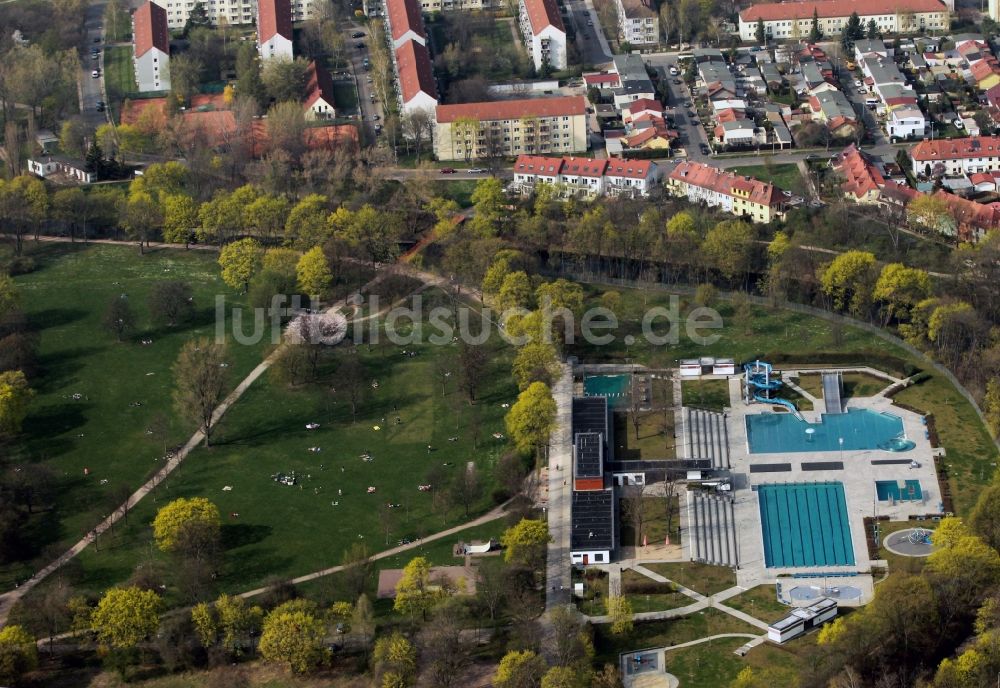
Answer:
(585, 176)
(638, 22)
(956, 156)
(234, 12)
(543, 32)
(794, 19)
(274, 30)
(151, 48)
(744, 196)
(511, 127)
(405, 22)
(319, 101)
(415, 76)
(429, 6)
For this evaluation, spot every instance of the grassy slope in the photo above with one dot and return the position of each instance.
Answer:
(65, 299)
(785, 176)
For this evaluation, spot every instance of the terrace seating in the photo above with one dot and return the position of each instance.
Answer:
(713, 529)
(707, 436)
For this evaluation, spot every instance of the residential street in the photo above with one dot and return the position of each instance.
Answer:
(91, 90)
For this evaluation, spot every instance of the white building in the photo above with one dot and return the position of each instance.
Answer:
(802, 620)
(405, 21)
(415, 76)
(57, 165)
(274, 30)
(233, 12)
(319, 102)
(587, 177)
(957, 156)
(794, 19)
(151, 48)
(638, 23)
(543, 32)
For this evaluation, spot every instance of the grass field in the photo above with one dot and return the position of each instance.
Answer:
(291, 530)
(664, 633)
(654, 597)
(654, 522)
(123, 386)
(855, 384)
(784, 176)
(703, 578)
(119, 77)
(707, 394)
(760, 602)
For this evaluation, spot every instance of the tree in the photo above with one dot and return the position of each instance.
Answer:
(815, 33)
(286, 125)
(239, 623)
(248, 73)
(15, 398)
(535, 362)
(240, 261)
(759, 33)
(491, 585)
(562, 677)
(901, 288)
(206, 625)
(265, 218)
(313, 273)
(18, 653)
(873, 31)
(525, 542)
(285, 79)
(466, 488)
(171, 303)
(728, 248)
(931, 213)
(489, 200)
(188, 527)
(180, 218)
(126, 616)
(515, 292)
(531, 419)
(444, 651)
(395, 661)
(197, 18)
(414, 593)
(620, 611)
(984, 520)
(991, 409)
(200, 381)
(472, 361)
(140, 217)
(375, 232)
(519, 669)
(363, 619)
(849, 279)
(294, 636)
(119, 318)
(357, 564)
(853, 31)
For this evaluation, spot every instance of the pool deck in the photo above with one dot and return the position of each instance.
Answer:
(859, 485)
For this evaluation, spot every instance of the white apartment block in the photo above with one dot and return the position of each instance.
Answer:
(957, 156)
(638, 23)
(234, 12)
(429, 6)
(511, 127)
(151, 48)
(794, 19)
(543, 32)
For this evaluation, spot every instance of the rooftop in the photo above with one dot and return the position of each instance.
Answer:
(706, 177)
(403, 16)
(319, 85)
(837, 8)
(416, 75)
(593, 522)
(150, 29)
(559, 106)
(543, 14)
(274, 18)
(953, 149)
(588, 454)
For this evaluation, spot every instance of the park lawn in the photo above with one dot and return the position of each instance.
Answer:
(65, 299)
(707, 665)
(785, 176)
(703, 578)
(760, 602)
(971, 455)
(649, 634)
(654, 522)
(286, 531)
(666, 597)
(707, 394)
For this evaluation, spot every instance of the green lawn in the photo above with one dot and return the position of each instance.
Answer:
(654, 522)
(119, 75)
(785, 176)
(346, 97)
(647, 595)
(292, 530)
(855, 384)
(707, 394)
(760, 602)
(656, 427)
(713, 664)
(122, 386)
(703, 578)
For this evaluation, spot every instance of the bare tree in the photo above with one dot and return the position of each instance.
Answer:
(633, 511)
(357, 563)
(444, 652)
(466, 489)
(491, 584)
(351, 380)
(417, 126)
(201, 380)
(472, 360)
(386, 519)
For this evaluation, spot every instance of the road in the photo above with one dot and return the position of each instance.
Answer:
(367, 108)
(92, 90)
(590, 39)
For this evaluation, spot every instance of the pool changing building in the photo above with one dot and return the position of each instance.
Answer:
(593, 526)
(802, 620)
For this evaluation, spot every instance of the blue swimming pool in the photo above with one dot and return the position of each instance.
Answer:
(777, 433)
(614, 387)
(891, 490)
(805, 524)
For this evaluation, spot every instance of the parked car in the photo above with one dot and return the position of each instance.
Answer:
(96, 74)
(357, 34)
(448, 170)
(959, 124)
(674, 71)
(677, 82)
(476, 170)
(359, 46)
(704, 149)
(99, 107)
(858, 83)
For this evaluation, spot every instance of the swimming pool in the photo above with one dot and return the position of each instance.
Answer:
(805, 524)
(890, 489)
(778, 433)
(614, 387)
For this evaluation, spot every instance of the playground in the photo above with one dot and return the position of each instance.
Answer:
(912, 542)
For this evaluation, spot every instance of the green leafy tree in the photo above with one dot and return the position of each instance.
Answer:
(728, 248)
(519, 669)
(249, 83)
(190, 527)
(536, 361)
(206, 625)
(307, 224)
(197, 18)
(180, 218)
(141, 216)
(18, 653)
(200, 381)
(240, 261)
(292, 635)
(619, 609)
(285, 79)
(15, 399)
(266, 216)
(375, 233)
(126, 616)
(563, 677)
(313, 272)
(239, 623)
(414, 592)
(531, 418)
(515, 292)
(815, 33)
(853, 31)
(901, 288)
(489, 200)
(849, 281)
(395, 661)
(873, 31)
(525, 542)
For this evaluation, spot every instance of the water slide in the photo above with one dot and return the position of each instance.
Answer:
(760, 385)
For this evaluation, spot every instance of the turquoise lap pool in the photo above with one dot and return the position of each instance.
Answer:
(805, 524)
(778, 433)
(614, 387)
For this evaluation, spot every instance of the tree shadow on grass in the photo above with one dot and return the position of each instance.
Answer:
(58, 368)
(43, 426)
(241, 534)
(55, 317)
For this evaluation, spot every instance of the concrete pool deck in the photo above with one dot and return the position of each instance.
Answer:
(858, 475)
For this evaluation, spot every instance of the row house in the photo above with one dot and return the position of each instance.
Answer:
(863, 181)
(788, 20)
(956, 156)
(744, 196)
(586, 177)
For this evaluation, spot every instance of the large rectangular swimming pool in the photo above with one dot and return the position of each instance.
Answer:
(779, 433)
(805, 524)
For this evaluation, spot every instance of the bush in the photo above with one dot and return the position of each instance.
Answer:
(500, 495)
(19, 265)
